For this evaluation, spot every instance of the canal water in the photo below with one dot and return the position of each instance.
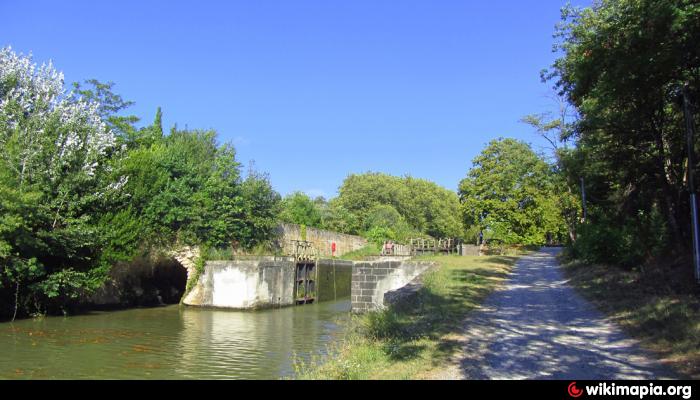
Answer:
(170, 342)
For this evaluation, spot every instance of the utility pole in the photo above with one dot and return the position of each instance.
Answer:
(583, 200)
(690, 133)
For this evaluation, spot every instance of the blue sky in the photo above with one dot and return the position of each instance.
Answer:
(313, 90)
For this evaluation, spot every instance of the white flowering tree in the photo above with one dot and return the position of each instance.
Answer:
(54, 172)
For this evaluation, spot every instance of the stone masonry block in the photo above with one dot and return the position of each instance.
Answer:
(380, 271)
(367, 285)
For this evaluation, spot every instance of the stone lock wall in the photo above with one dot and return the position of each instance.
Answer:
(372, 280)
(321, 239)
(470, 250)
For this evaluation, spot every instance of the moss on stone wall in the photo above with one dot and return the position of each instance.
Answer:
(199, 264)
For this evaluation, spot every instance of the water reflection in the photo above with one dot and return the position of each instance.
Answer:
(169, 343)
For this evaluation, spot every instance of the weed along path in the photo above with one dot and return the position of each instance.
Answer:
(537, 327)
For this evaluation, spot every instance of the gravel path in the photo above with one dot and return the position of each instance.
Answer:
(538, 327)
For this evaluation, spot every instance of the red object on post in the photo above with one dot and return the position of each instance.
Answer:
(333, 248)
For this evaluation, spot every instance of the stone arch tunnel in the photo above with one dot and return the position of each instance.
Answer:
(147, 281)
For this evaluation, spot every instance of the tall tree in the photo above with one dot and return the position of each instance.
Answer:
(510, 195)
(158, 123)
(427, 208)
(55, 149)
(555, 128)
(299, 208)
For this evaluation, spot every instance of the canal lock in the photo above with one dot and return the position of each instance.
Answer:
(306, 273)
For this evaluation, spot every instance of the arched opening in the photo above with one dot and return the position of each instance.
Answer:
(169, 281)
(143, 282)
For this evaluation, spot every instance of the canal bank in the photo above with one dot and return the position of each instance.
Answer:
(176, 342)
(420, 331)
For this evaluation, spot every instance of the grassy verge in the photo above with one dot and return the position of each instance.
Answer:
(369, 250)
(268, 248)
(659, 305)
(410, 343)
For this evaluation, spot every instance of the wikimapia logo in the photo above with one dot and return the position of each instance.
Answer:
(574, 391)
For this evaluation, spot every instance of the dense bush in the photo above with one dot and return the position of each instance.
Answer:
(610, 239)
(601, 243)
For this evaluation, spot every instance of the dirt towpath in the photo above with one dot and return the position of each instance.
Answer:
(537, 327)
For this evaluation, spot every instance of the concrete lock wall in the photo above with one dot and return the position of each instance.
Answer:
(247, 283)
(371, 280)
(265, 282)
(321, 239)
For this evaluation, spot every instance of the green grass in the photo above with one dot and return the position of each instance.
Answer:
(659, 305)
(263, 249)
(367, 251)
(412, 342)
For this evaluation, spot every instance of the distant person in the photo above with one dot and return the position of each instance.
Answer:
(389, 248)
(235, 247)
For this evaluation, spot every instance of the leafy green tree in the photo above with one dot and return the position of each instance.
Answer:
(54, 164)
(299, 208)
(432, 209)
(510, 195)
(185, 188)
(262, 207)
(384, 215)
(379, 234)
(158, 123)
(427, 208)
(110, 105)
(385, 218)
(337, 218)
(556, 128)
